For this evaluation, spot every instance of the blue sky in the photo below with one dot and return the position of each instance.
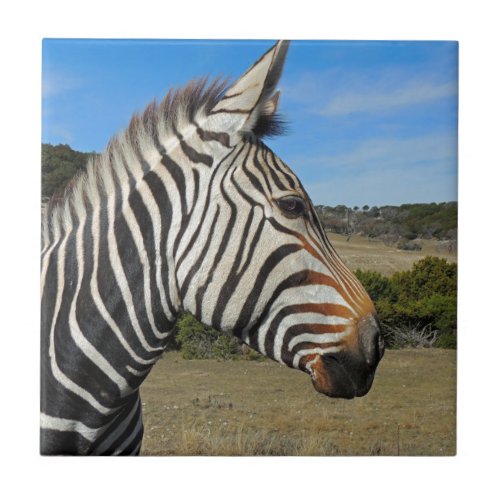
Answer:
(368, 122)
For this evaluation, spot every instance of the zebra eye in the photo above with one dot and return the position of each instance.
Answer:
(292, 206)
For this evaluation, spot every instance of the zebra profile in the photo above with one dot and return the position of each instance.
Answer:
(188, 210)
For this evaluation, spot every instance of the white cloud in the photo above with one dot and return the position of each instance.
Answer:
(385, 188)
(384, 171)
(385, 97)
(413, 155)
(62, 133)
(55, 83)
(352, 91)
(388, 153)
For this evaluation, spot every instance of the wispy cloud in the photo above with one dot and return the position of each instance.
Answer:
(386, 97)
(384, 171)
(388, 153)
(386, 187)
(387, 133)
(56, 82)
(58, 134)
(352, 91)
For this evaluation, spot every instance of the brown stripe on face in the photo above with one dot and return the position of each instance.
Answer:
(313, 345)
(357, 297)
(316, 278)
(328, 309)
(314, 329)
(348, 278)
(308, 358)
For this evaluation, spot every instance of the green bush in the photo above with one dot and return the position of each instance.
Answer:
(437, 310)
(447, 341)
(198, 341)
(405, 244)
(226, 346)
(429, 276)
(424, 296)
(378, 287)
(442, 309)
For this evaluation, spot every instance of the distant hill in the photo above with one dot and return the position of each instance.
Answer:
(391, 224)
(394, 224)
(59, 165)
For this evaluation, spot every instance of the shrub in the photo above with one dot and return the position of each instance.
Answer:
(429, 276)
(447, 341)
(377, 286)
(436, 310)
(226, 346)
(249, 354)
(425, 296)
(198, 341)
(409, 245)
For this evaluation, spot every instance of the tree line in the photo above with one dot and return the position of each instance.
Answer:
(59, 165)
(397, 225)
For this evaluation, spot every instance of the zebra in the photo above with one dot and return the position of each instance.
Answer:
(187, 209)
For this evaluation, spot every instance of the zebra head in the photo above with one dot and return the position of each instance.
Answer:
(255, 260)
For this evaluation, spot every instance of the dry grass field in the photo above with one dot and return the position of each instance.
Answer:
(364, 253)
(207, 407)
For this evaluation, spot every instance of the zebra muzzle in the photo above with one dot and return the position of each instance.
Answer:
(349, 373)
(338, 376)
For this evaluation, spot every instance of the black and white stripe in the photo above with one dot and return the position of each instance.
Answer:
(181, 213)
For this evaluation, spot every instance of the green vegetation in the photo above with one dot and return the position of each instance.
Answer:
(394, 225)
(59, 165)
(425, 297)
(198, 341)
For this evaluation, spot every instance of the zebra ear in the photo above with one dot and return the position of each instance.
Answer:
(249, 106)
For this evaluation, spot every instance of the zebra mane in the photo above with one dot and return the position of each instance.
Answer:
(158, 119)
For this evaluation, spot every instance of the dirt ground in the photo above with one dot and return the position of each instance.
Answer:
(208, 407)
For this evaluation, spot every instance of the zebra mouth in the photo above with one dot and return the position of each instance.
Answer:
(341, 375)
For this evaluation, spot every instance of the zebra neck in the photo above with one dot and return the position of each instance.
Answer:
(107, 312)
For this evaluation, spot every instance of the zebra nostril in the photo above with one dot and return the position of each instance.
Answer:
(371, 342)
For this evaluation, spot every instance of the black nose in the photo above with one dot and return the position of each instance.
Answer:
(371, 342)
(349, 373)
